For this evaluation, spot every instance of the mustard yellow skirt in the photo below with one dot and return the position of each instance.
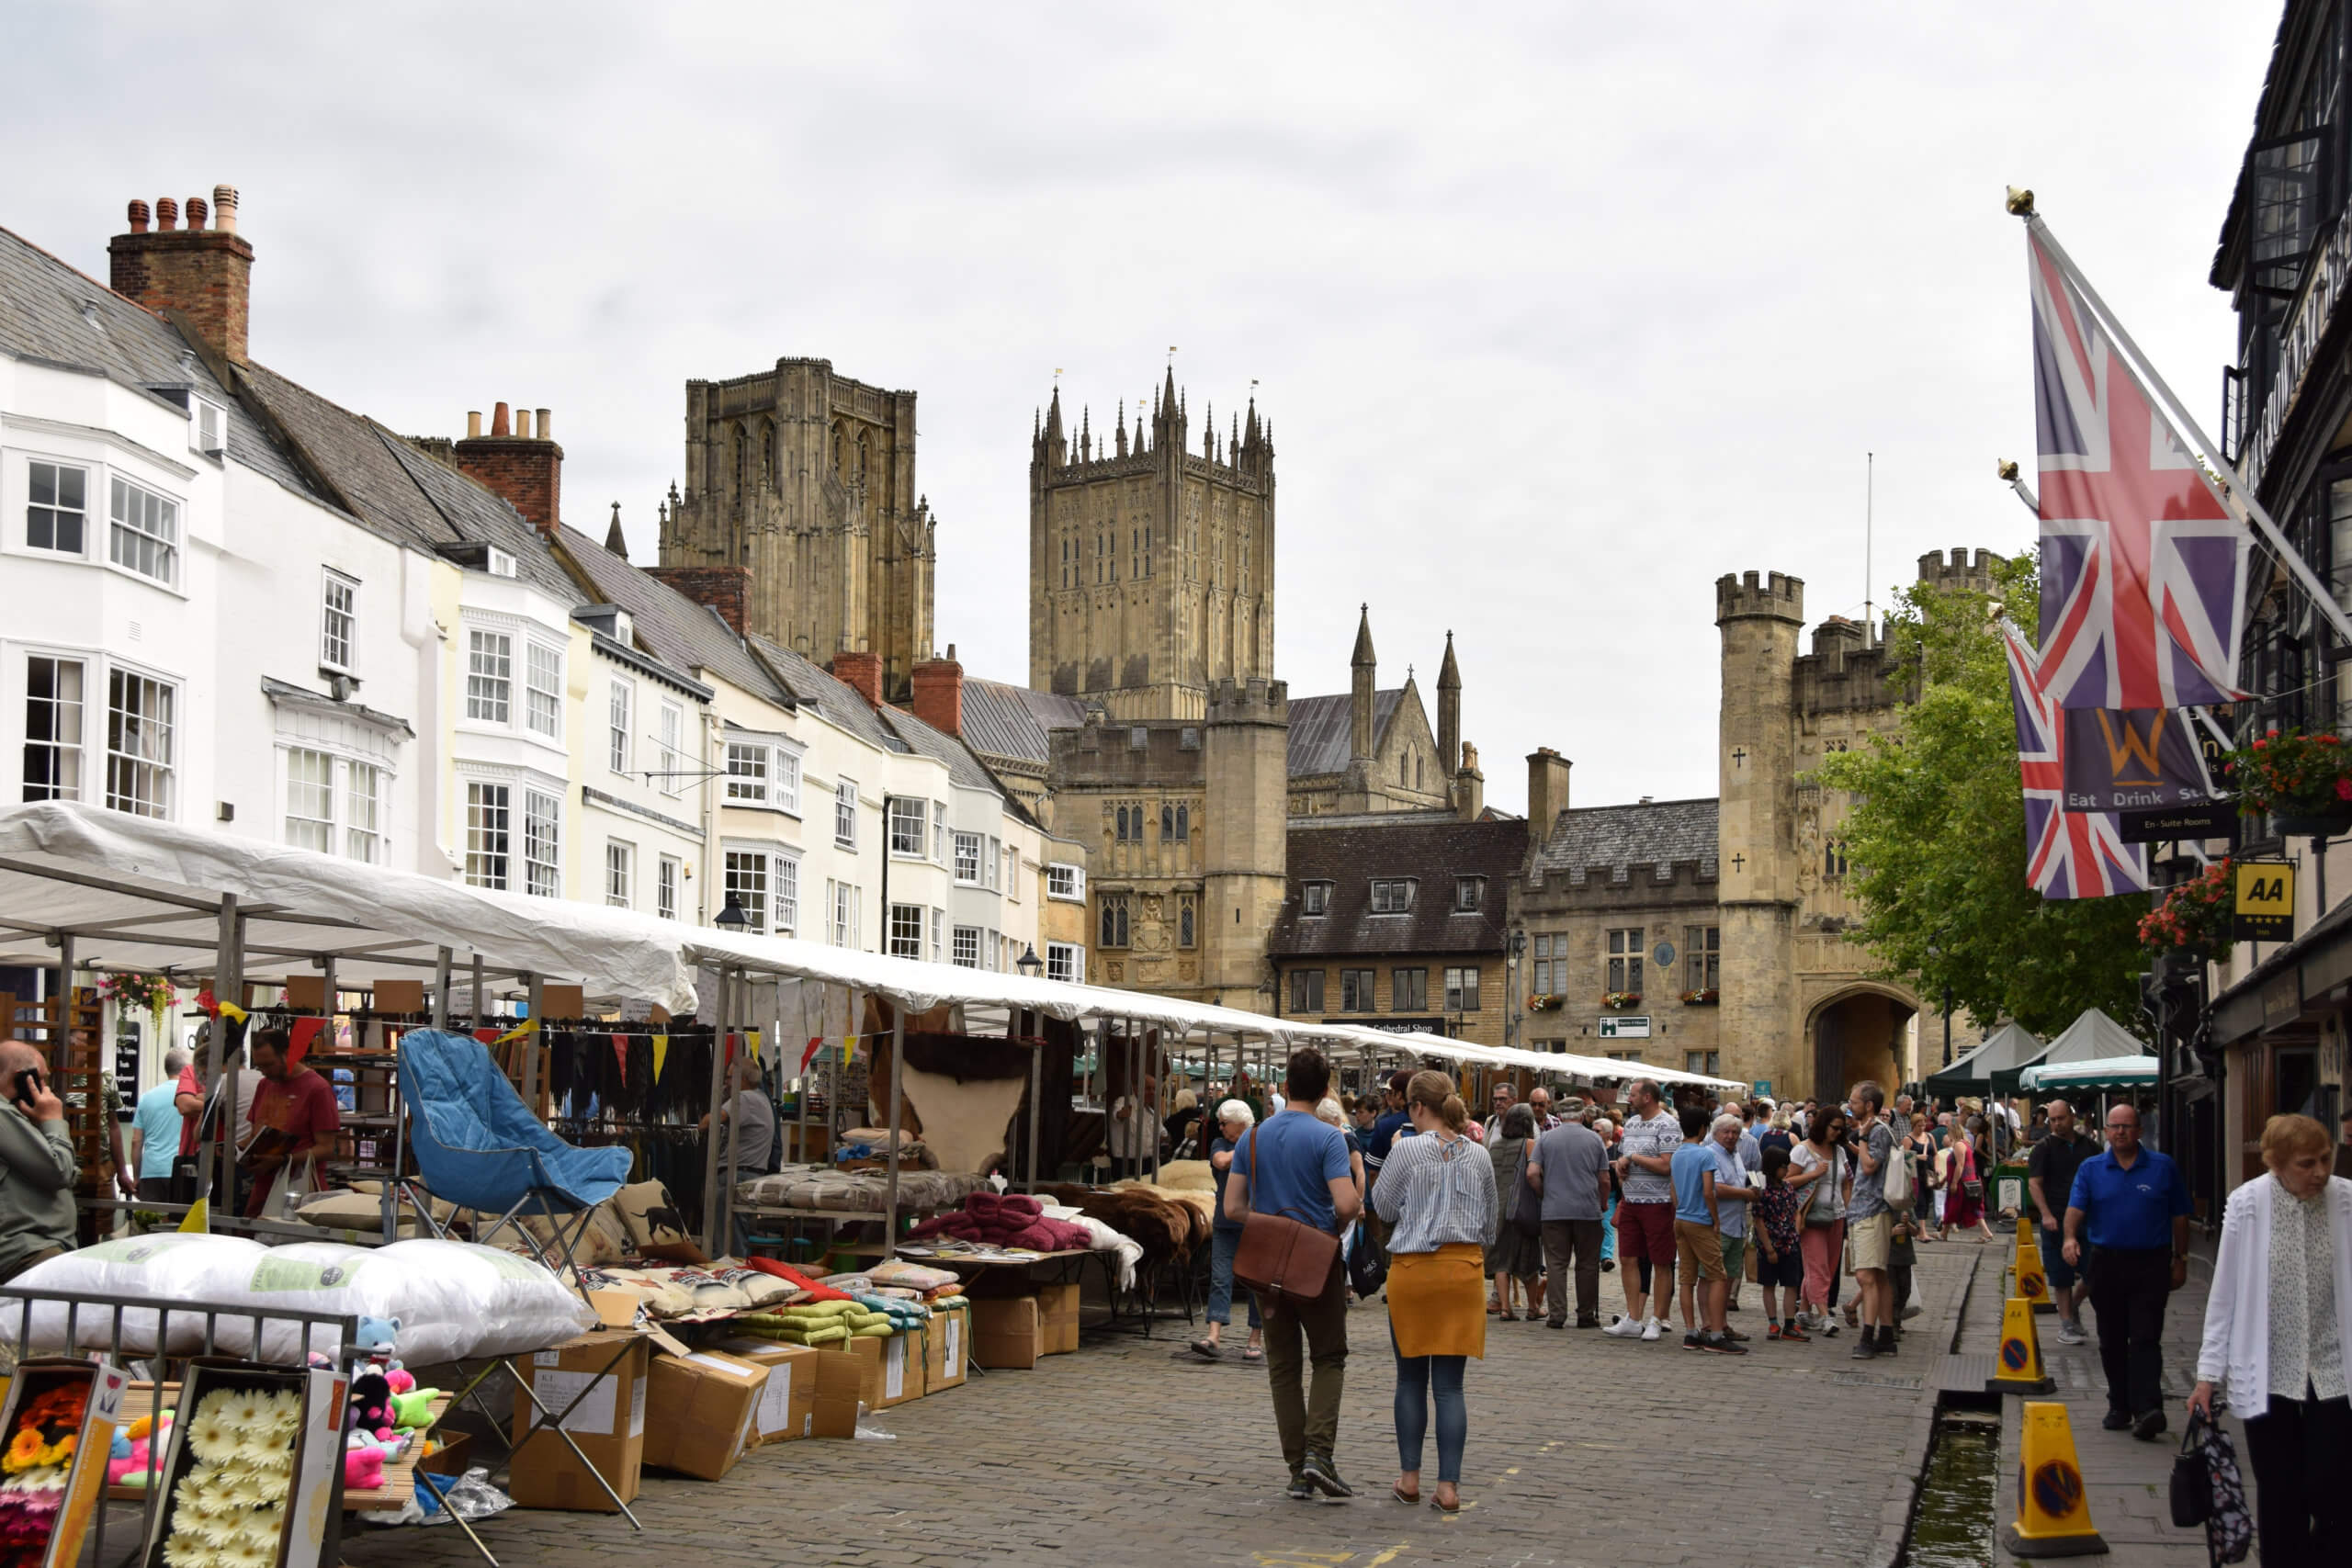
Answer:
(1437, 1301)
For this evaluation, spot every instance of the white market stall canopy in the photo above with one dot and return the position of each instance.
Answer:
(2104, 1072)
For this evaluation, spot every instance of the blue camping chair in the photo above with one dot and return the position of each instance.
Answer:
(478, 1146)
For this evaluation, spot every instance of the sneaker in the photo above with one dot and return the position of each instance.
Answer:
(1555, 1323)
(1886, 1338)
(1588, 1323)
(1300, 1489)
(2071, 1333)
(1827, 1327)
(2150, 1425)
(1318, 1474)
(1866, 1347)
(1652, 1328)
(1735, 1334)
(1692, 1340)
(1722, 1345)
(1792, 1332)
(1772, 1331)
(1608, 1265)
(1623, 1327)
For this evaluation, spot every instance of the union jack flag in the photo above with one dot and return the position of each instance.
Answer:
(2143, 567)
(2068, 854)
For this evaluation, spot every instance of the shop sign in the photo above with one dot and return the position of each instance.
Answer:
(2265, 890)
(1619, 1026)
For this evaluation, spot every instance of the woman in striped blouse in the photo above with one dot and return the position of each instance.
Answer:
(1437, 1193)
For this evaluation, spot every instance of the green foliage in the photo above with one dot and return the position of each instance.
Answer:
(1936, 835)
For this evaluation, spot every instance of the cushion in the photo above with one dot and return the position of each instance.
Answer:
(655, 1227)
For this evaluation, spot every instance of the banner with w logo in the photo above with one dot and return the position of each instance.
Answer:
(2132, 759)
(2069, 855)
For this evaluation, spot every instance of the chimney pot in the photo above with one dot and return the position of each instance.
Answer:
(196, 211)
(498, 426)
(522, 425)
(205, 276)
(224, 208)
(137, 215)
(546, 430)
(167, 215)
(473, 424)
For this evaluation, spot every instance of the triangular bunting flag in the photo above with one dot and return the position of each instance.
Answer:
(298, 1037)
(661, 1055)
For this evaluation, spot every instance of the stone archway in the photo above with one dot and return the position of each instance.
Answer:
(1856, 1035)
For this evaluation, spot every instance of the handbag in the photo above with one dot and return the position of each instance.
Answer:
(1817, 1217)
(1279, 1253)
(1896, 1187)
(2192, 1478)
(2208, 1490)
(1526, 1203)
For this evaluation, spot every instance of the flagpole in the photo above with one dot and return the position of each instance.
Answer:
(2239, 497)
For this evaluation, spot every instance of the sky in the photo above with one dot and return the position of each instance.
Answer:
(1560, 311)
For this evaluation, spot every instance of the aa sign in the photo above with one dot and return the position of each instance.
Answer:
(2265, 890)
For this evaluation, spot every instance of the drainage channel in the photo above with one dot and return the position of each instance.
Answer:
(1951, 1524)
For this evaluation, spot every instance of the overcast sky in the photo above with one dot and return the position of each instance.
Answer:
(1560, 311)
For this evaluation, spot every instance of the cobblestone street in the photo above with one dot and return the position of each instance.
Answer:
(1583, 1451)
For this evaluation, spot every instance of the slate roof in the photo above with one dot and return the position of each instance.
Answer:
(816, 688)
(682, 633)
(42, 317)
(1320, 730)
(1001, 719)
(1433, 854)
(1612, 838)
(962, 766)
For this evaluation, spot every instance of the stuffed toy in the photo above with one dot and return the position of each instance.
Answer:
(372, 1404)
(400, 1378)
(362, 1469)
(414, 1408)
(376, 1336)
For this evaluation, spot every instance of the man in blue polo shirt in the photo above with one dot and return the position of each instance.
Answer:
(2131, 1206)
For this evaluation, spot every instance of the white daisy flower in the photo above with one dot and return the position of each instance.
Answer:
(210, 1436)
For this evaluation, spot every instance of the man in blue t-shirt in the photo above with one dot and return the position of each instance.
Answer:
(1697, 1244)
(156, 1130)
(2131, 1206)
(1296, 1165)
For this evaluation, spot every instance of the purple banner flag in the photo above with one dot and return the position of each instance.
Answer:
(2132, 759)
(2069, 855)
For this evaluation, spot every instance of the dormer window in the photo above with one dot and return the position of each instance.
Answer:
(208, 427)
(501, 563)
(1469, 893)
(1393, 896)
(1315, 899)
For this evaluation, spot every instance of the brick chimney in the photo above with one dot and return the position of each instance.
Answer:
(206, 274)
(1469, 787)
(939, 693)
(1547, 791)
(726, 589)
(863, 671)
(526, 470)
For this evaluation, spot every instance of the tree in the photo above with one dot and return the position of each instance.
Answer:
(1936, 834)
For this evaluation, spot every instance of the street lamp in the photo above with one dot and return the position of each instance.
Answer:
(1028, 963)
(1518, 947)
(731, 918)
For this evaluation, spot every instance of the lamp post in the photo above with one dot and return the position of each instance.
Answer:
(1514, 1018)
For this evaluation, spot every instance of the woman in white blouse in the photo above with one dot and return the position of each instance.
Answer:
(2279, 1339)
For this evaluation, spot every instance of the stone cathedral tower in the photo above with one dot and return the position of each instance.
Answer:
(1151, 558)
(807, 480)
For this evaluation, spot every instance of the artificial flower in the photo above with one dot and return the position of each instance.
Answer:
(248, 1551)
(245, 1410)
(210, 1436)
(186, 1551)
(24, 1450)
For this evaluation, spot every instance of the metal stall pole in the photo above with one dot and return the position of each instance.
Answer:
(1036, 1088)
(530, 1042)
(441, 990)
(229, 989)
(719, 1068)
(734, 1127)
(479, 1005)
(898, 1069)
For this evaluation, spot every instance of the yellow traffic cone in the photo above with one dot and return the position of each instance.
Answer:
(2017, 1366)
(2054, 1514)
(2032, 1283)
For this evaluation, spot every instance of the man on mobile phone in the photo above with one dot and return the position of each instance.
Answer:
(37, 1165)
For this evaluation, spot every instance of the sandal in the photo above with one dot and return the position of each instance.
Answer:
(1407, 1498)
(1508, 1315)
(1445, 1507)
(1205, 1350)
(1253, 1353)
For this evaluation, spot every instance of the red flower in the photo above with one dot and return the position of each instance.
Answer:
(2263, 745)
(2344, 789)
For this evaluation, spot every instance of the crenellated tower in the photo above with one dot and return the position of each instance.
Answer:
(1152, 561)
(807, 478)
(1760, 617)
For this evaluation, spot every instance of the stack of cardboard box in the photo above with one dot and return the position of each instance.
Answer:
(601, 1378)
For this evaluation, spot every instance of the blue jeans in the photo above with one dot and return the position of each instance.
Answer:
(1609, 1229)
(1223, 1244)
(1418, 1378)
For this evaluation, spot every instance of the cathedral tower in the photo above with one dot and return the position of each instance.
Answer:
(1151, 558)
(808, 479)
(1756, 822)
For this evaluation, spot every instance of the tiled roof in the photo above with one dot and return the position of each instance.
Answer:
(1431, 854)
(962, 766)
(41, 317)
(1001, 719)
(1612, 838)
(814, 688)
(1320, 730)
(681, 632)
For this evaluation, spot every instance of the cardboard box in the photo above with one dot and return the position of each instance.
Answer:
(789, 1400)
(851, 1369)
(841, 1388)
(1058, 1308)
(1007, 1333)
(947, 1345)
(86, 1477)
(398, 996)
(698, 1411)
(607, 1372)
(317, 1451)
(903, 1369)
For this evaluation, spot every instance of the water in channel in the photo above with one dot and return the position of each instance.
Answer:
(1953, 1525)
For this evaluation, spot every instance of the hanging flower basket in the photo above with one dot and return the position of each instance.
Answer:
(1545, 1003)
(138, 993)
(2302, 783)
(1708, 998)
(2195, 917)
(1618, 1001)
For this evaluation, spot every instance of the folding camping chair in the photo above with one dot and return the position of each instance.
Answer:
(478, 1147)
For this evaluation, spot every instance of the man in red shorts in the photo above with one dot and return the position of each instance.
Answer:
(1645, 1211)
